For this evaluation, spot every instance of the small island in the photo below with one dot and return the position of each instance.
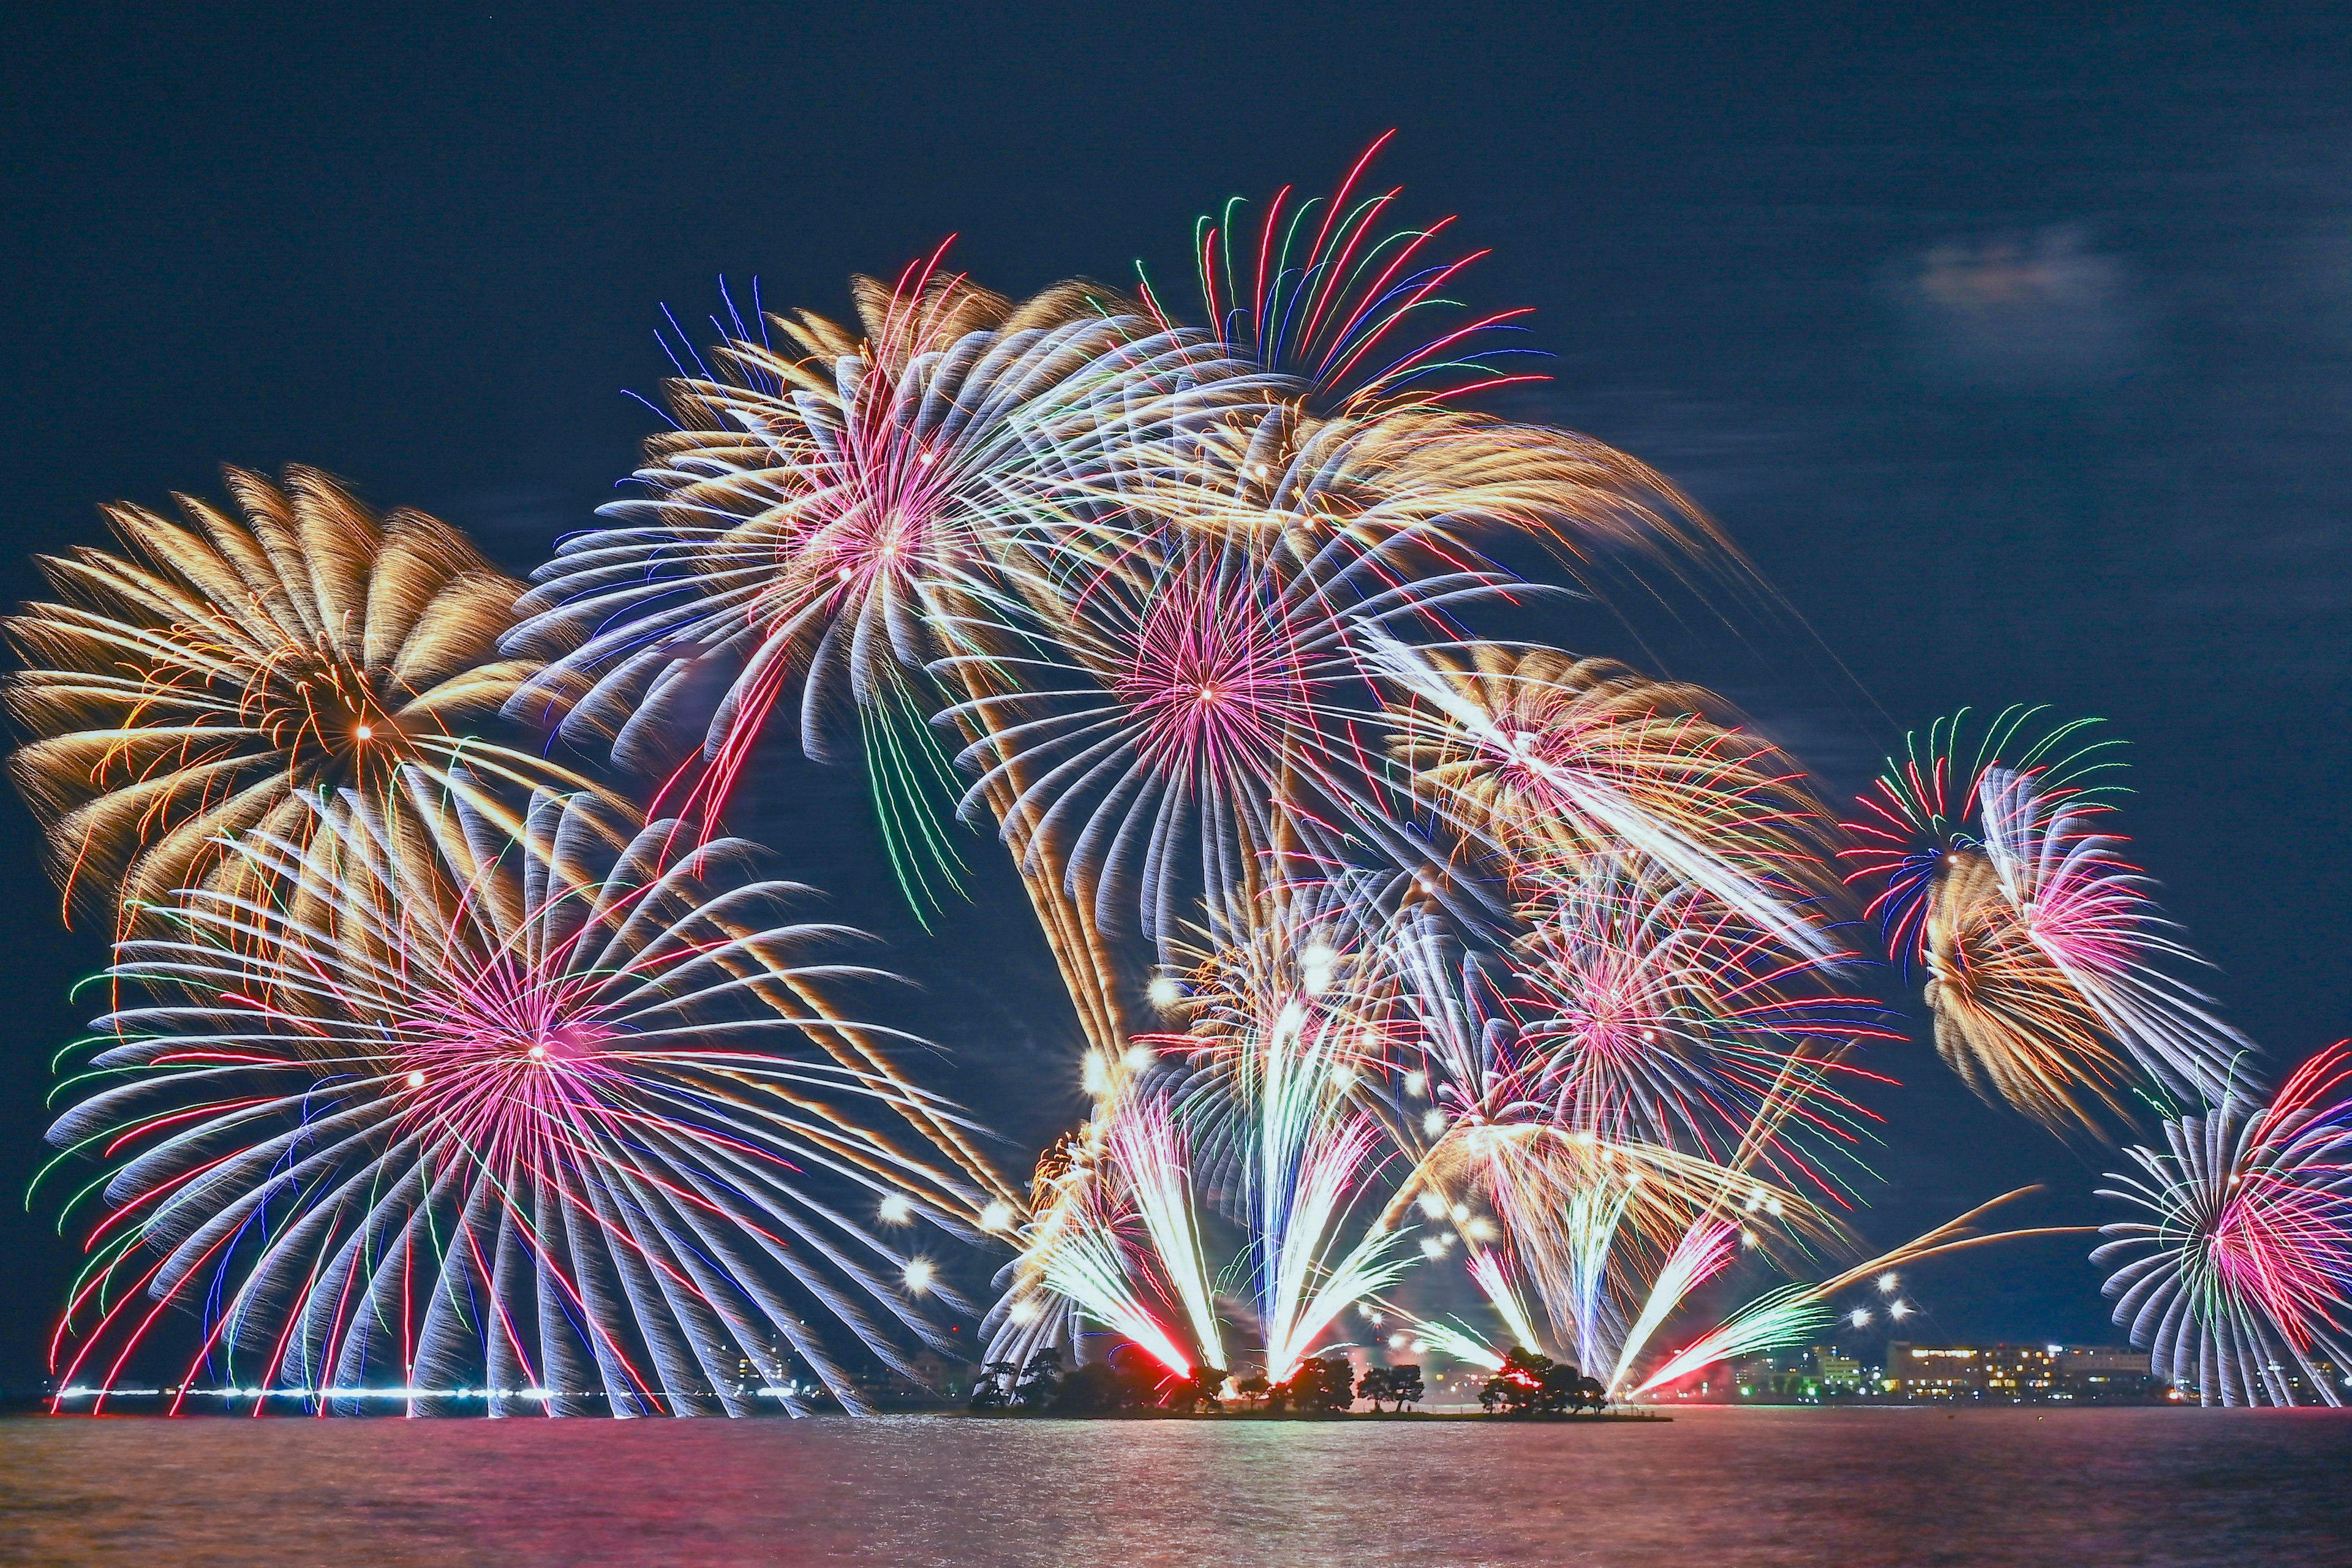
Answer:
(1527, 1385)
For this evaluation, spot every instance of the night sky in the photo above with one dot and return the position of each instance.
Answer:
(2021, 362)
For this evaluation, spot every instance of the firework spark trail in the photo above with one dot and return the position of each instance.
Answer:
(1129, 1170)
(1792, 1313)
(1085, 1259)
(1704, 1251)
(1487, 1268)
(1548, 759)
(1456, 1343)
(1283, 1028)
(565, 1114)
(2247, 1267)
(1153, 1159)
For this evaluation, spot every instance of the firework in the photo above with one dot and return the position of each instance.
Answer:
(1116, 1235)
(1235, 587)
(1284, 1029)
(1256, 1109)
(836, 514)
(1365, 358)
(2045, 958)
(1600, 1222)
(563, 1111)
(2241, 1274)
(1557, 765)
(1202, 708)
(1650, 1016)
(194, 688)
(1793, 1313)
(430, 1065)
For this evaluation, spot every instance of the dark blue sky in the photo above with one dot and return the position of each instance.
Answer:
(2019, 358)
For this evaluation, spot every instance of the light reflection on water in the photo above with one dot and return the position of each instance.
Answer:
(1720, 1488)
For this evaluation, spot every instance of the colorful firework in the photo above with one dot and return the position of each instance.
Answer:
(1202, 707)
(1324, 302)
(1117, 1236)
(569, 1114)
(1793, 1313)
(838, 513)
(1284, 1028)
(2243, 1273)
(1464, 945)
(1650, 1014)
(833, 513)
(1551, 764)
(1602, 1226)
(193, 689)
(2045, 958)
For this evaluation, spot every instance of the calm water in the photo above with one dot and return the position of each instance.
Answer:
(1720, 1488)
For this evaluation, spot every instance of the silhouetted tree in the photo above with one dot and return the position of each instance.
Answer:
(1041, 1380)
(1338, 1383)
(1121, 1382)
(1560, 1389)
(1518, 1387)
(1190, 1393)
(992, 1389)
(1253, 1388)
(1090, 1390)
(1326, 1382)
(1373, 1386)
(1404, 1385)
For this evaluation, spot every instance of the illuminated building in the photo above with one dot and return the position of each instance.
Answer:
(2019, 1375)
(1838, 1376)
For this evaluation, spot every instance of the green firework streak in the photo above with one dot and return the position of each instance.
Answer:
(913, 789)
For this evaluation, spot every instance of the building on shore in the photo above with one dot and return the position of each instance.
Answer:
(2023, 1374)
(1937, 1375)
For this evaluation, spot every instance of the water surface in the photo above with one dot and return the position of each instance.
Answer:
(1719, 1488)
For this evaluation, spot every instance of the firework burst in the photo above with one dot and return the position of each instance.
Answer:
(192, 690)
(1550, 766)
(562, 1111)
(2046, 961)
(1203, 706)
(2241, 1274)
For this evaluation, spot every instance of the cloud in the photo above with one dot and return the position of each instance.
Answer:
(2042, 311)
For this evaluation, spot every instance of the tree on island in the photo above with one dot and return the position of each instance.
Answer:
(1094, 1389)
(1373, 1387)
(1518, 1386)
(1324, 1383)
(1254, 1389)
(994, 1388)
(1197, 1392)
(1562, 1389)
(1532, 1384)
(1127, 1379)
(1041, 1380)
